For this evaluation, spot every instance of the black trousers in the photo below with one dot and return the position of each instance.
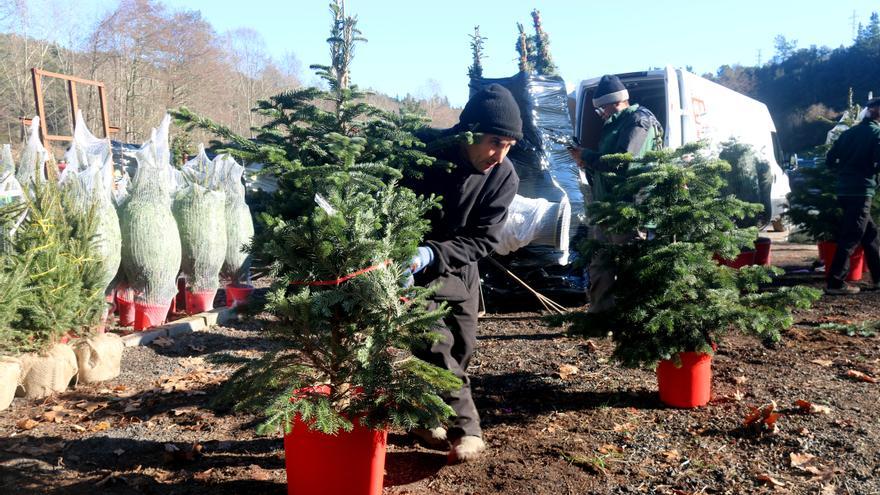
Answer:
(454, 352)
(856, 228)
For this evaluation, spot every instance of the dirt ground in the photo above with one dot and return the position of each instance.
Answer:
(589, 427)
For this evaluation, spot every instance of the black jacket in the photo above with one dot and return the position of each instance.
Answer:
(467, 226)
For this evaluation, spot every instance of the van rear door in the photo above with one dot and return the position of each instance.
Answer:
(672, 128)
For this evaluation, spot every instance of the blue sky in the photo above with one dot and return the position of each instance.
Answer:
(418, 47)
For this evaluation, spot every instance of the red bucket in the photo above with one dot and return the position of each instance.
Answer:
(745, 258)
(687, 386)
(346, 463)
(125, 308)
(827, 249)
(238, 294)
(198, 302)
(762, 251)
(150, 315)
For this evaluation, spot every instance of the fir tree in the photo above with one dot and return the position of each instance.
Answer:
(54, 249)
(543, 61)
(525, 50)
(475, 71)
(670, 295)
(333, 241)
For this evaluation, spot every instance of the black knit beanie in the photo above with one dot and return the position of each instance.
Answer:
(492, 110)
(609, 90)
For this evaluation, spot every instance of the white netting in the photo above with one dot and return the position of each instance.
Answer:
(201, 219)
(239, 222)
(89, 177)
(151, 251)
(535, 221)
(33, 158)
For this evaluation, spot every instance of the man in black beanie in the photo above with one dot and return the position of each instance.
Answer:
(476, 192)
(855, 157)
(629, 129)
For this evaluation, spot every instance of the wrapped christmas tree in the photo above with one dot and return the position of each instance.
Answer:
(199, 208)
(88, 177)
(151, 252)
(239, 224)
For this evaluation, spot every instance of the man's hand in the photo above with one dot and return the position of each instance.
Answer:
(423, 258)
(576, 153)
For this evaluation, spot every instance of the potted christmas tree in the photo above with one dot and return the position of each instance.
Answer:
(813, 206)
(333, 240)
(672, 300)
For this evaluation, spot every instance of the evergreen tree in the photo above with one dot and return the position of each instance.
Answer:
(670, 295)
(475, 71)
(333, 240)
(525, 49)
(543, 61)
(53, 248)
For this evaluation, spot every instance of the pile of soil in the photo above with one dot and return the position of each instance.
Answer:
(558, 417)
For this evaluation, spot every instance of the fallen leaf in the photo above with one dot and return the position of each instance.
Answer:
(810, 408)
(590, 346)
(204, 475)
(804, 432)
(257, 473)
(609, 448)
(90, 407)
(823, 362)
(103, 425)
(620, 428)
(77, 428)
(737, 395)
(829, 489)
(858, 375)
(27, 424)
(740, 380)
(671, 455)
(799, 460)
(763, 417)
(567, 370)
(769, 480)
(162, 342)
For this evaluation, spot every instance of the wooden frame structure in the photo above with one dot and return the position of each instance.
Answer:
(72, 81)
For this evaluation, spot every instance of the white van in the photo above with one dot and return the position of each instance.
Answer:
(691, 108)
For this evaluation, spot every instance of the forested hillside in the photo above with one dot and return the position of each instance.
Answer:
(801, 86)
(151, 58)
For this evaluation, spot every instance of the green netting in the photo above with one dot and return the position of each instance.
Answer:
(749, 179)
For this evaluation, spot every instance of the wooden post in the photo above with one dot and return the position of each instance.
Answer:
(38, 99)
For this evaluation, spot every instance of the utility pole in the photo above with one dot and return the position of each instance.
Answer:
(854, 18)
(759, 58)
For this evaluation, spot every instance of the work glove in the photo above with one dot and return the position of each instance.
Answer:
(423, 258)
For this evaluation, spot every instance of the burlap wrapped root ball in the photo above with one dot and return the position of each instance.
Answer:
(99, 357)
(10, 377)
(201, 220)
(47, 373)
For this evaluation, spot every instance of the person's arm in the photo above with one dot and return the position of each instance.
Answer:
(482, 234)
(833, 155)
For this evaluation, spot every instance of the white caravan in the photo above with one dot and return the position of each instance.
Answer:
(691, 108)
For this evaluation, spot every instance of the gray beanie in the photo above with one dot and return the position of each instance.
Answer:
(609, 90)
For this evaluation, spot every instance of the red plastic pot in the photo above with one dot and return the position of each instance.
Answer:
(351, 463)
(197, 302)
(745, 258)
(149, 315)
(689, 385)
(827, 249)
(348, 462)
(125, 308)
(238, 294)
(762, 251)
